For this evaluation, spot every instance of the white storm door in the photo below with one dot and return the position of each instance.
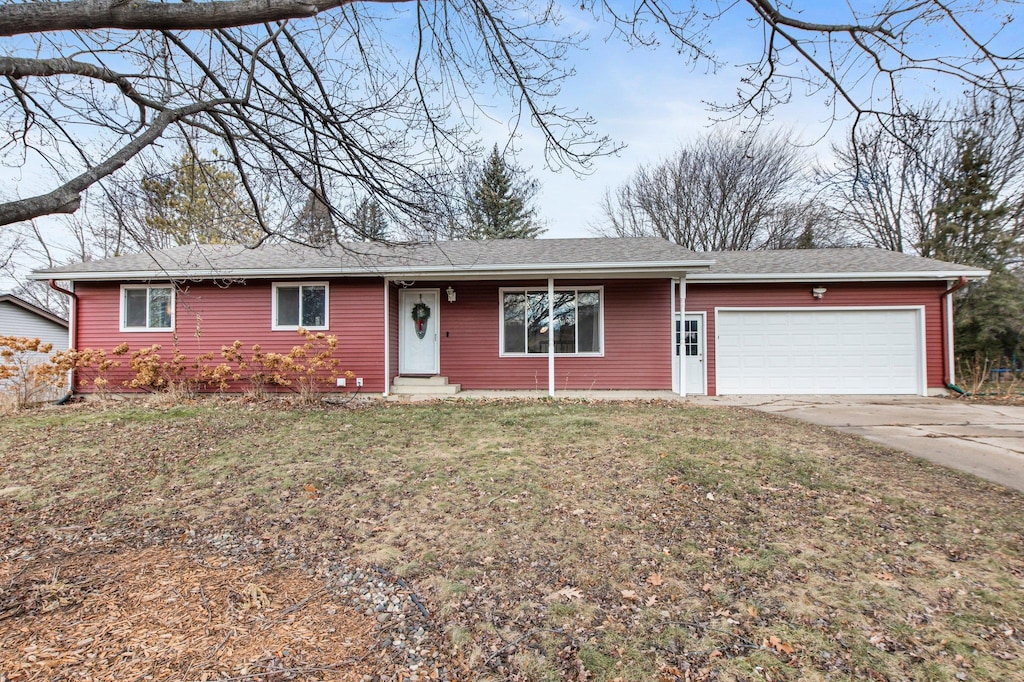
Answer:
(689, 338)
(418, 338)
(693, 351)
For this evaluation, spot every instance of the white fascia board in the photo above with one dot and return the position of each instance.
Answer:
(733, 278)
(442, 271)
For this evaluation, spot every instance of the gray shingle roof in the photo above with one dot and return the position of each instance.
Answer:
(459, 257)
(508, 257)
(817, 262)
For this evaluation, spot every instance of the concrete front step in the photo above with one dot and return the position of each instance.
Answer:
(435, 385)
(434, 380)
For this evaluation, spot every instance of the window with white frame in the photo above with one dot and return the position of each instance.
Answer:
(300, 305)
(147, 308)
(528, 325)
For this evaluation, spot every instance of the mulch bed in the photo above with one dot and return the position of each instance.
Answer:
(163, 614)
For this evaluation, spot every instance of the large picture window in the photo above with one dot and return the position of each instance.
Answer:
(300, 305)
(147, 308)
(528, 325)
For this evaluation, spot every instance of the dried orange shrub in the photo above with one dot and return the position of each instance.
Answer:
(90, 364)
(305, 369)
(26, 378)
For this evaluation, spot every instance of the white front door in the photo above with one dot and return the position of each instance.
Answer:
(418, 337)
(689, 338)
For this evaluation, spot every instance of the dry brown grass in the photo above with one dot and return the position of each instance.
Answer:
(561, 540)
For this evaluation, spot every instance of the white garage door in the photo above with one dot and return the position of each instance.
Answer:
(819, 351)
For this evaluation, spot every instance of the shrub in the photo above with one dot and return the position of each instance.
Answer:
(26, 377)
(91, 365)
(305, 369)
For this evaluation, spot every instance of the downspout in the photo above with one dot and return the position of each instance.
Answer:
(72, 332)
(950, 371)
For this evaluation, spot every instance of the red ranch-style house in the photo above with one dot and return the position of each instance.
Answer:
(558, 314)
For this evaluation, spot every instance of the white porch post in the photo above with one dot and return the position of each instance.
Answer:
(387, 339)
(551, 337)
(672, 327)
(682, 334)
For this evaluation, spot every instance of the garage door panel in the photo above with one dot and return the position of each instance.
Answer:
(819, 351)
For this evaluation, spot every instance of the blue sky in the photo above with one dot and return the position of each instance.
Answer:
(652, 100)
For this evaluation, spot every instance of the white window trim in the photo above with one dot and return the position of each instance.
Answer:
(274, 326)
(121, 308)
(543, 289)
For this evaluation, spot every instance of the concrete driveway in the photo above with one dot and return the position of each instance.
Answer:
(985, 440)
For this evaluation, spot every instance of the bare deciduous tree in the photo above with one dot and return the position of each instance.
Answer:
(723, 192)
(886, 193)
(331, 93)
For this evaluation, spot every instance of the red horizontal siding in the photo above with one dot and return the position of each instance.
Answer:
(636, 356)
(708, 297)
(637, 347)
(208, 317)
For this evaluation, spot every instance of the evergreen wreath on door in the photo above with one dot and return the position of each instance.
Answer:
(420, 315)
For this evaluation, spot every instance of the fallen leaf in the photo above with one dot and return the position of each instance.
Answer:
(570, 593)
(711, 496)
(629, 595)
(655, 579)
(778, 645)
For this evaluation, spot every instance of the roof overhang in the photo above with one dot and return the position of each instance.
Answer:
(563, 270)
(904, 276)
(34, 309)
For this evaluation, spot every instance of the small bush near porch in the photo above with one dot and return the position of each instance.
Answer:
(546, 541)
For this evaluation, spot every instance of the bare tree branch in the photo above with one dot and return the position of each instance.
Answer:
(67, 198)
(138, 15)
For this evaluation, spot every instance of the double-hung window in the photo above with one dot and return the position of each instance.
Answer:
(528, 326)
(300, 305)
(147, 308)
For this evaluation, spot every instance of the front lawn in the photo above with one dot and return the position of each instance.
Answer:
(547, 540)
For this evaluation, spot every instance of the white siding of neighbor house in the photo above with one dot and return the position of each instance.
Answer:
(16, 321)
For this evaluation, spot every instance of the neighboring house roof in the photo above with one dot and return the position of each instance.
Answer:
(34, 309)
(565, 257)
(637, 256)
(860, 264)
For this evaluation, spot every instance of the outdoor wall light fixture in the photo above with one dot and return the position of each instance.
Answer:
(451, 295)
(818, 292)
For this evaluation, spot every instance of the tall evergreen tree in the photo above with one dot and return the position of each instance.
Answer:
(198, 202)
(368, 222)
(315, 224)
(969, 220)
(970, 227)
(498, 202)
